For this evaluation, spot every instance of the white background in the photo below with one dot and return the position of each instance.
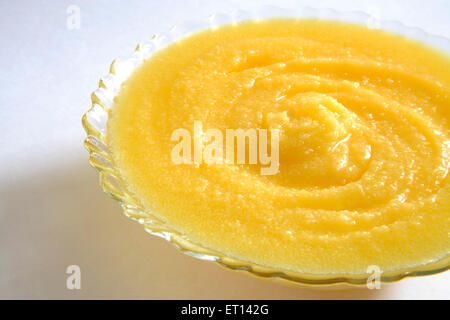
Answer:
(52, 211)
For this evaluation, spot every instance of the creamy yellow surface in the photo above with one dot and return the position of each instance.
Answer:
(364, 144)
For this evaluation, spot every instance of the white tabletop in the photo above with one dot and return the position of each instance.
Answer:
(52, 211)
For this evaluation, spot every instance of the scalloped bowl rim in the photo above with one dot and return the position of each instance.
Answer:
(95, 119)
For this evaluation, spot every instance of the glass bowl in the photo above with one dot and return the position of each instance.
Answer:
(95, 124)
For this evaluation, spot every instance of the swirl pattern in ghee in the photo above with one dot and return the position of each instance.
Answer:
(364, 149)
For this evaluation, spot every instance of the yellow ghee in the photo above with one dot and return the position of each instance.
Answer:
(363, 151)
